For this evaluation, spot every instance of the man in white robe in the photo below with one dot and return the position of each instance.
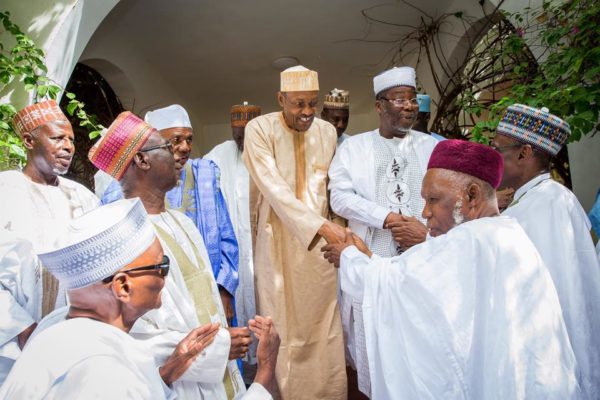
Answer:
(35, 203)
(336, 111)
(234, 183)
(191, 297)
(113, 267)
(556, 223)
(375, 180)
(471, 313)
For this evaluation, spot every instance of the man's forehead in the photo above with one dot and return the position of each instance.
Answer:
(338, 112)
(170, 133)
(306, 96)
(400, 90)
(55, 128)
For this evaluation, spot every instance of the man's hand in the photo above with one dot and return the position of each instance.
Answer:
(240, 342)
(333, 251)
(392, 217)
(24, 336)
(227, 300)
(187, 351)
(505, 197)
(267, 350)
(333, 233)
(407, 231)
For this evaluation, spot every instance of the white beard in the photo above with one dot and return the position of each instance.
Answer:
(457, 214)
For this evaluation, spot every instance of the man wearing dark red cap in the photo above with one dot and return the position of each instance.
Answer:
(470, 313)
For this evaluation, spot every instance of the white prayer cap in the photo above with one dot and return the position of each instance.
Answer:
(299, 79)
(173, 116)
(397, 76)
(99, 243)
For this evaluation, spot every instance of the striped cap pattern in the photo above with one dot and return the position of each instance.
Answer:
(536, 127)
(241, 114)
(36, 115)
(123, 139)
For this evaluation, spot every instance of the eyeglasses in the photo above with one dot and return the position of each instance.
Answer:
(162, 268)
(167, 145)
(500, 149)
(401, 102)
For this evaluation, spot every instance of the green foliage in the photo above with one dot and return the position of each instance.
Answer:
(25, 62)
(565, 38)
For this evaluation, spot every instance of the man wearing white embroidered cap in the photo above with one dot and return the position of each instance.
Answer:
(113, 268)
(287, 155)
(375, 183)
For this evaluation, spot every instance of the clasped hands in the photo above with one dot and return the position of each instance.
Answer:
(333, 250)
(406, 231)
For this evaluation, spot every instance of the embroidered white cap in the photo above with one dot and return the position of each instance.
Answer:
(173, 116)
(99, 243)
(397, 76)
(299, 79)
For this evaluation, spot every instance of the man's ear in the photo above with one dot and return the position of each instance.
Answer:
(121, 287)
(141, 161)
(526, 152)
(474, 194)
(28, 140)
(280, 98)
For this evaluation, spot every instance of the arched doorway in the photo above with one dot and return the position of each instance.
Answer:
(101, 102)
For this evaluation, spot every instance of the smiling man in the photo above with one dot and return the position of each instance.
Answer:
(35, 203)
(287, 155)
(375, 183)
(471, 313)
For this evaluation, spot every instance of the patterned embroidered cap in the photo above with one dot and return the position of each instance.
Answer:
(173, 116)
(536, 127)
(424, 103)
(242, 114)
(99, 243)
(115, 150)
(397, 76)
(337, 98)
(299, 79)
(470, 158)
(36, 115)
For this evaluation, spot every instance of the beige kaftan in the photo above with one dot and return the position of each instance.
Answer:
(297, 287)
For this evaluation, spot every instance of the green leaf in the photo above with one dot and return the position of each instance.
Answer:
(70, 95)
(71, 107)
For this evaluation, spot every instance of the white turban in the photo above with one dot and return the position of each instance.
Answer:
(397, 76)
(173, 116)
(99, 243)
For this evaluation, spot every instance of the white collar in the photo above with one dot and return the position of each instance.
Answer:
(533, 182)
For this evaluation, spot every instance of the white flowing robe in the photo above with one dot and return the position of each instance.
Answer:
(31, 212)
(352, 186)
(558, 226)
(85, 359)
(234, 183)
(471, 314)
(164, 328)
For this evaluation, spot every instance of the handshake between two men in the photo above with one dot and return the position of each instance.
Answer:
(406, 232)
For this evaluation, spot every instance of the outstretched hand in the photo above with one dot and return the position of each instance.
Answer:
(333, 251)
(267, 350)
(187, 351)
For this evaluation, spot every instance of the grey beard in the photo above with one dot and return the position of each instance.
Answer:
(457, 215)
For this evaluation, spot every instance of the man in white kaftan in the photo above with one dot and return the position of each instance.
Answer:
(375, 181)
(103, 262)
(190, 297)
(556, 223)
(472, 312)
(35, 203)
(234, 183)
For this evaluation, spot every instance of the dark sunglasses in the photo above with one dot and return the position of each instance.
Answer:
(163, 269)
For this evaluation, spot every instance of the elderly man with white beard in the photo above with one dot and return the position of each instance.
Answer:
(472, 312)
